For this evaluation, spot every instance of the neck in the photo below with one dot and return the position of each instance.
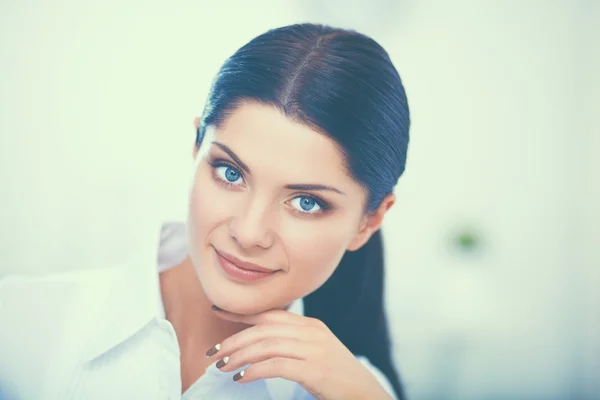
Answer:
(188, 309)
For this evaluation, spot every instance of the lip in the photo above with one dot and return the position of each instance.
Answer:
(242, 270)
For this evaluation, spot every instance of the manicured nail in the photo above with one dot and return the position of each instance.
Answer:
(212, 351)
(216, 308)
(221, 363)
(239, 375)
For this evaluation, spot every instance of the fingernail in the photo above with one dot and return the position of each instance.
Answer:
(213, 350)
(216, 308)
(239, 375)
(221, 363)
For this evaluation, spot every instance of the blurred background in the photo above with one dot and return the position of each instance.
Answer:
(493, 250)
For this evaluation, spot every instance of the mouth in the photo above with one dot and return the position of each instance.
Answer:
(241, 270)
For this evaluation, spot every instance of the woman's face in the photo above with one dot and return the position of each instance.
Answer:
(274, 193)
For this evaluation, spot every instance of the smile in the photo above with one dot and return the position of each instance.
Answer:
(240, 270)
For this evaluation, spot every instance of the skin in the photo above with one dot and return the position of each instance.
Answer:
(251, 212)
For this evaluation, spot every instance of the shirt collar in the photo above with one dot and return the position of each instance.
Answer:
(127, 300)
(130, 298)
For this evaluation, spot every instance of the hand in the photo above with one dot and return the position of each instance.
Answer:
(301, 349)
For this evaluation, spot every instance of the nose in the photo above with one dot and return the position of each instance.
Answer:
(250, 226)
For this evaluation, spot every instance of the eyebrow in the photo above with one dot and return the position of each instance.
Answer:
(314, 187)
(243, 166)
(233, 156)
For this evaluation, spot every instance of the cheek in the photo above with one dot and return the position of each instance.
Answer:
(315, 249)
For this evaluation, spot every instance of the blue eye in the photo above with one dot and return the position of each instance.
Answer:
(232, 175)
(228, 174)
(306, 204)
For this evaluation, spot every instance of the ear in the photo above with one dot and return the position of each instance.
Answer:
(196, 125)
(371, 223)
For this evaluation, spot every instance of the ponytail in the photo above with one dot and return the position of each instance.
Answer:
(351, 304)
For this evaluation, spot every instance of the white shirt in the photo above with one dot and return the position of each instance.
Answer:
(102, 334)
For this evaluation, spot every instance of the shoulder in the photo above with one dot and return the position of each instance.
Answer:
(49, 280)
(32, 304)
(118, 294)
(43, 317)
(23, 293)
(30, 294)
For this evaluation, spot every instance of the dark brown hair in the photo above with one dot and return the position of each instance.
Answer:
(343, 84)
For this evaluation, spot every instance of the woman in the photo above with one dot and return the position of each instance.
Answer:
(274, 286)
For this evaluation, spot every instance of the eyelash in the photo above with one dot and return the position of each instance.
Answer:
(222, 163)
(216, 163)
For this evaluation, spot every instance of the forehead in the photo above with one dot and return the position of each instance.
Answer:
(268, 141)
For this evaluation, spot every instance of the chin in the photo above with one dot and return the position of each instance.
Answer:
(244, 300)
(236, 297)
(231, 297)
(238, 306)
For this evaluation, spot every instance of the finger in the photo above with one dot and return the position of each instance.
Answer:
(305, 373)
(268, 317)
(260, 332)
(197, 122)
(266, 349)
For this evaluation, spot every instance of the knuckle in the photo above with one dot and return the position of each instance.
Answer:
(272, 343)
(317, 323)
(319, 352)
(260, 329)
(229, 343)
(278, 364)
(318, 332)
